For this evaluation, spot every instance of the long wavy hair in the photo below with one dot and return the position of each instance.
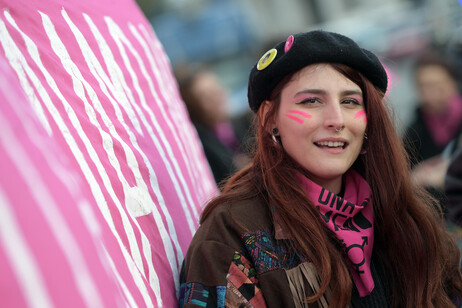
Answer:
(419, 257)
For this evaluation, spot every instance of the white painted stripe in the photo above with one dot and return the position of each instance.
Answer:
(142, 208)
(20, 257)
(166, 97)
(60, 50)
(46, 203)
(94, 65)
(181, 113)
(51, 213)
(121, 40)
(185, 127)
(90, 220)
(165, 117)
(78, 79)
(14, 55)
(23, 79)
(130, 300)
(67, 178)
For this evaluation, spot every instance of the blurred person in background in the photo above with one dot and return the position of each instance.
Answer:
(438, 120)
(453, 192)
(453, 184)
(326, 215)
(225, 139)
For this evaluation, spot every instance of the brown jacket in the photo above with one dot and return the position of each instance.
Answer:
(235, 260)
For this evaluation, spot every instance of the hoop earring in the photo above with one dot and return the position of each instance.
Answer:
(274, 133)
(274, 139)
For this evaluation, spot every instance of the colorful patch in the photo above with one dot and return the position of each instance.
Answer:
(267, 253)
(195, 293)
(200, 295)
(234, 298)
(245, 266)
(266, 59)
(221, 296)
(242, 292)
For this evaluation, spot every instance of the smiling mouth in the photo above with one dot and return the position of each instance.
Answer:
(331, 144)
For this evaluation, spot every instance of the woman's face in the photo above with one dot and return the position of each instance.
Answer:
(211, 96)
(314, 103)
(436, 88)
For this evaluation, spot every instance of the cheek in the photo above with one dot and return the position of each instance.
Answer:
(293, 128)
(358, 124)
(298, 116)
(361, 115)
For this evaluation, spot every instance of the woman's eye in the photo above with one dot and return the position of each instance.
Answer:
(351, 102)
(309, 101)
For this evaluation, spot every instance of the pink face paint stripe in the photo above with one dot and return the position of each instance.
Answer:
(294, 118)
(361, 113)
(302, 113)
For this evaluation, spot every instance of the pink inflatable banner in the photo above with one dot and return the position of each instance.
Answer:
(102, 175)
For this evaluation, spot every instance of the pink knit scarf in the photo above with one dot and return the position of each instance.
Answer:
(351, 218)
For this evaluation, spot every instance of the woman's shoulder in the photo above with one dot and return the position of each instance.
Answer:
(233, 219)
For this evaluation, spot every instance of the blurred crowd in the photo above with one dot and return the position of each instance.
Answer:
(433, 139)
(226, 139)
(424, 61)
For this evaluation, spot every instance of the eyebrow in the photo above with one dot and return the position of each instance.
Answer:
(319, 91)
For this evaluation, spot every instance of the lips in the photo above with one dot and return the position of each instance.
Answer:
(331, 144)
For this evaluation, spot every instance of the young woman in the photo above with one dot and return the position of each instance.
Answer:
(326, 215)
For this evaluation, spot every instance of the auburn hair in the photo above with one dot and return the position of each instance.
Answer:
(419, 257)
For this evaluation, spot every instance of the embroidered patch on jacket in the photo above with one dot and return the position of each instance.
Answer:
(198, 294)
(267, 253)
(241, 290)
(245, 266)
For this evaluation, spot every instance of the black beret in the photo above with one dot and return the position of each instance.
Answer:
(308, 48)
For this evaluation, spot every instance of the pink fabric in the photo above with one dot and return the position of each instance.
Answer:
(351, 218)
(103, 177)
(225, 133)
(443, 128)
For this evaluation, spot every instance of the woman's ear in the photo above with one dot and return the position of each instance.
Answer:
(264, 109)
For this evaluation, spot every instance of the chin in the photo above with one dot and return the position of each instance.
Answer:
(331, 173)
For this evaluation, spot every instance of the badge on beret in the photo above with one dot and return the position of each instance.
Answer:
(289, 43)
(266, 59)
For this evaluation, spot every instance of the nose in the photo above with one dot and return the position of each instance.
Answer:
(333, 117)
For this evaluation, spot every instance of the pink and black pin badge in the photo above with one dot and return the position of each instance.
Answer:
(289, 43)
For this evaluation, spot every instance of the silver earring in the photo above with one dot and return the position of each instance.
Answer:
(365, 136)
(274, 139)
(274, 133)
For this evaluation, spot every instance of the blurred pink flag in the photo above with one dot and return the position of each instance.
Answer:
(102, 175)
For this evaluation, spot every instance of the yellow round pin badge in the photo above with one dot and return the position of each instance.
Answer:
(266, 59)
